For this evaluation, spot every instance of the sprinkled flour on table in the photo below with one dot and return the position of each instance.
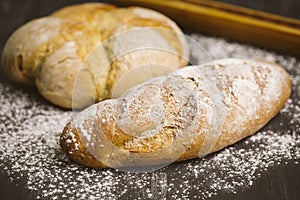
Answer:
(30, 130)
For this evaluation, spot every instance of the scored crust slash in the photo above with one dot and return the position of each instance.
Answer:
(185, 111)
(49, 51)
(185, 114)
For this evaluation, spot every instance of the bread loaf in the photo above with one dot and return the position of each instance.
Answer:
(186, 114)
(51, 51)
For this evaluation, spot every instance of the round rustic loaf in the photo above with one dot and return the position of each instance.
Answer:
(51, 51)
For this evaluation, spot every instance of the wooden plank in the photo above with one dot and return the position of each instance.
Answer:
(220, 19)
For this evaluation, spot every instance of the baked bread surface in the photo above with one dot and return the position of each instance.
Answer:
(188, 113)
(90, 46)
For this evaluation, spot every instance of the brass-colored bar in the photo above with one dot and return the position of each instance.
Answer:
(232, 22)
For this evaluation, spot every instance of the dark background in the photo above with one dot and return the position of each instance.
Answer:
(14, 13)
(288, 8)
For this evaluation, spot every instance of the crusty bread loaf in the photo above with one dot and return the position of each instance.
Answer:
(188, 113)
(51, 51)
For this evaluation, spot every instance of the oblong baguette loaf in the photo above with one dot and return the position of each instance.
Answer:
(50, 51)
(188, 113)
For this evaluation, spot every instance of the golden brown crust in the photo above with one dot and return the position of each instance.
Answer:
(188, 119)
(20, 52)
(78, 152)
(49, 51)
(79, 12)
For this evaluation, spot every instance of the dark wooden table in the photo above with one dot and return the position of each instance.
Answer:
(14, 13)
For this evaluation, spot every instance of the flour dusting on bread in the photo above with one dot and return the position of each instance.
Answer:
(188, 113)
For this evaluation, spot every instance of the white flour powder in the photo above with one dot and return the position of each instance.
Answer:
(29, 148)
